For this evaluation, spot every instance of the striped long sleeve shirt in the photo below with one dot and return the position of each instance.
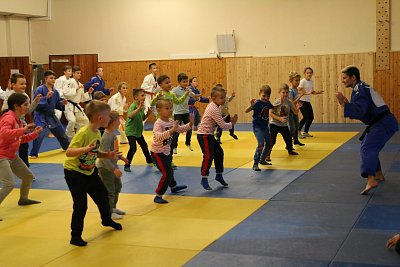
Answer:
(211, 118)
(163, 138)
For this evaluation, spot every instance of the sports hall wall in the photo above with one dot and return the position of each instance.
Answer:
(272, 39)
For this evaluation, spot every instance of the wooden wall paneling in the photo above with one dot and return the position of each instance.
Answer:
(88, 64)
(57, 63)
(20, 63)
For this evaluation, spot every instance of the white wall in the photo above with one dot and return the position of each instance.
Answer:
(30, 8)
(15, 38)
(154, 29)
(395, 25)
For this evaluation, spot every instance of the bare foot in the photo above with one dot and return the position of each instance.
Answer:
(371, 184)
(379, 176)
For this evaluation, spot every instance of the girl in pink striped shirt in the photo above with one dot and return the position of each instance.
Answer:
(210, 147)
(164, 129)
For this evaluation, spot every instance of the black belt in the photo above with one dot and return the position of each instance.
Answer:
(375, 120)
(76, 105)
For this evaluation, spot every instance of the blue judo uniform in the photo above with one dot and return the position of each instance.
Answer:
(100, 87)
(368, 106)
(46, 118)
(192, 108)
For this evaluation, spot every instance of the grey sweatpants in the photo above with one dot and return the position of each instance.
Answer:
(9, 167)
(113, 185)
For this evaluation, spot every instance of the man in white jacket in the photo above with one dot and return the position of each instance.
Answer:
(74, 92)
(150, 86)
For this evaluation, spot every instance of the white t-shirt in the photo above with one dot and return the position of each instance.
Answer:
(308, 87)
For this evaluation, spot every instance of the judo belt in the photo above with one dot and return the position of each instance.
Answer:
(76, 106)
(375, 120)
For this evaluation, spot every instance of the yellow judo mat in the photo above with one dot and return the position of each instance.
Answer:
(152, 235)
(238, 153)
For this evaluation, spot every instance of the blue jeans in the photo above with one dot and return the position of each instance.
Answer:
(264, 144)
(58, 132)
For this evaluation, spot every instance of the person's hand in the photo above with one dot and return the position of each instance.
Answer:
(233, 94)
(49, 94)
(282, 119)
(81, 86)
(29, 127)
(253, 102)
(95, 84)
(299, 105)
(37, 98)
(175, 126)
(117, 173)
(91, 89)
(64, 102)
(111, 89)
(234, 119)
(140, 106)
(90, 147)
(341, 98)
(393, 241)
(38, 129)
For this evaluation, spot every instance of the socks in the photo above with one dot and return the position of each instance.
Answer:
(204, 183)
(112, 224)
(160, 200)
(220, 179)
(78, 241)
(25, 202)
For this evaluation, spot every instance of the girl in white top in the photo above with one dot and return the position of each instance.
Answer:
(118, 103)
(306, 88)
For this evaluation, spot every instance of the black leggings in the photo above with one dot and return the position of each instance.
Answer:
(308, 116)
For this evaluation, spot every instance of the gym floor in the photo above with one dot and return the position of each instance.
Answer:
(303, 210)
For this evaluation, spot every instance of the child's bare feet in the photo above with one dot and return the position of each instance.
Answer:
(371, 184)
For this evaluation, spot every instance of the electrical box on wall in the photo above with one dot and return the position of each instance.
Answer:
(226, 43)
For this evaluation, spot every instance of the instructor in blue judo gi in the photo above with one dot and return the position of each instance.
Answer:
(368, 106)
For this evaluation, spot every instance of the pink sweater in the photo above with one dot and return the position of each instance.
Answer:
(162, 139)
(12, 135)
(211, 118)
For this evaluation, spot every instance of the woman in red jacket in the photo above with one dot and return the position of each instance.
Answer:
(12, 134)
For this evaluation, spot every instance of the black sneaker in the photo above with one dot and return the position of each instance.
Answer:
(292, 153)
(234, 136)
(178, 188)
(160, 200)
(263, 162)
(256, 168)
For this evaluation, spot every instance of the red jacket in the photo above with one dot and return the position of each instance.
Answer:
(12, 135)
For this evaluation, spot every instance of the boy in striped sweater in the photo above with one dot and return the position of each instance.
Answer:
(210, 147)
(164, 129)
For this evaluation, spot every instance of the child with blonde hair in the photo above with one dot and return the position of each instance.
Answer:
(164, 129)
(260, 123)
(279, 118)
(294, 96)
(82, 175)
(211, 148)
(108, 168)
